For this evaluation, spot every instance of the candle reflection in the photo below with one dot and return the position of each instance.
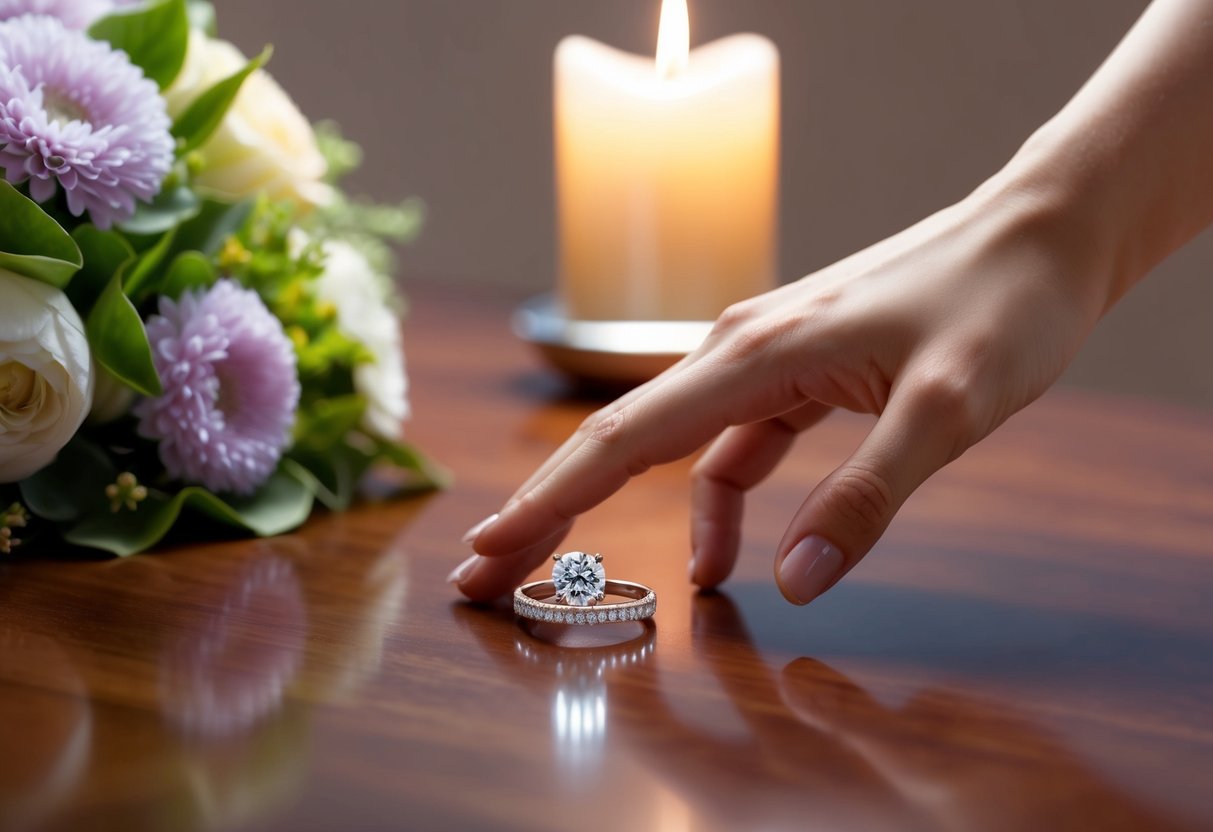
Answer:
(580, 700)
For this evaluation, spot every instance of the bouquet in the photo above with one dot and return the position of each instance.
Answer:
(195, 322)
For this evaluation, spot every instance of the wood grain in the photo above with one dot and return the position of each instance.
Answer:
(1030, 647)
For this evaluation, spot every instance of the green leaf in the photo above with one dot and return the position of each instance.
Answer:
(215, 222)
(282, 504)
(169, 208)
(32, 243)
(104, 253)
(193, 127)
(155, 37)
(71, 485)
(333, 476)
(119, 340)
(191, 270)
(142, 274)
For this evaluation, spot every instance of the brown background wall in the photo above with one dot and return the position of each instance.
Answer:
(891, 110)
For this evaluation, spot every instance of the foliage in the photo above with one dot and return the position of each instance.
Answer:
(184, 241)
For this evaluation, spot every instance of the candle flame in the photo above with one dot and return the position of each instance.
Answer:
(673, 38)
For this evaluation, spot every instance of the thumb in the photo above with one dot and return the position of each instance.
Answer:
(922, 429)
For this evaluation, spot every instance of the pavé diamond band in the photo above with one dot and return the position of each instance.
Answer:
(536, 601)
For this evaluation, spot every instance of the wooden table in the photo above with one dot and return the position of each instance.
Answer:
(1030, 647)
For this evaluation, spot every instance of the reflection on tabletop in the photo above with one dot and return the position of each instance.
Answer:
(215, 732)
(796, 735)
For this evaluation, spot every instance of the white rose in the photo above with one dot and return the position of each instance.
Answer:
(46, 378)
(364, 314)
(264, 144)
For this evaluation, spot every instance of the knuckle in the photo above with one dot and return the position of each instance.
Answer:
(735, 316)
(610, 430)
(860, 497)
(949, 400)
(594, 422)
(760, 338)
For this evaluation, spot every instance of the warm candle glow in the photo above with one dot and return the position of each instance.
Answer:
(673, 39)
(666, 174)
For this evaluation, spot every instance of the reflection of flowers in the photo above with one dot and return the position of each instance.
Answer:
(46, 378)
(356, 623)
(223, 680)
(230, 388)
(78, 114)
(46, 725)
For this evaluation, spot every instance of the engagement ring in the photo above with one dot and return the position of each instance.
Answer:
(576, 592)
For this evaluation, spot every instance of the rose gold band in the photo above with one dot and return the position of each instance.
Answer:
(535, 601)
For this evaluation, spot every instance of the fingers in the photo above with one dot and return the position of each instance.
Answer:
(582, 432)
(928, 423)
(666, 423)
(741, 458)
(483, 579)
(827, 700)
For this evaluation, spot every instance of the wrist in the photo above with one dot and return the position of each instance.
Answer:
(1058, 202)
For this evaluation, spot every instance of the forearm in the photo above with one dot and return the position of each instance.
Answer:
(1127, 165)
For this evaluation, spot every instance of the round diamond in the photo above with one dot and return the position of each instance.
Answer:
(602, 616)
(579, 578)
(614, 616)
(580, 618)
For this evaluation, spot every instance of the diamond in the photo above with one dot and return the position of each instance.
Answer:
(580, 618)
(602, 616)
(579, 578)
(614, 616)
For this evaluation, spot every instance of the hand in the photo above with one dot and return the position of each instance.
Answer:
(942, 331)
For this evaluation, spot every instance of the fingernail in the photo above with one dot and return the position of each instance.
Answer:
(809, 568)
(474, 532)
(463, 570)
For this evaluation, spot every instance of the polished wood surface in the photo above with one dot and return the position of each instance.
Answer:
(1030, 647)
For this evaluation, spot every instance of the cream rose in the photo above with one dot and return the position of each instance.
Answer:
(364, 315)
(264, 144)
(46, 378)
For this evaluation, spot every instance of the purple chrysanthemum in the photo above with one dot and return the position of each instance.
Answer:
(230, 388)
(75, 14)
(77, 113)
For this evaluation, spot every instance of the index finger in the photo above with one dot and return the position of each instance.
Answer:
(667, 422)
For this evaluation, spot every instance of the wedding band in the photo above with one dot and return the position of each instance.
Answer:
(530, 601)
